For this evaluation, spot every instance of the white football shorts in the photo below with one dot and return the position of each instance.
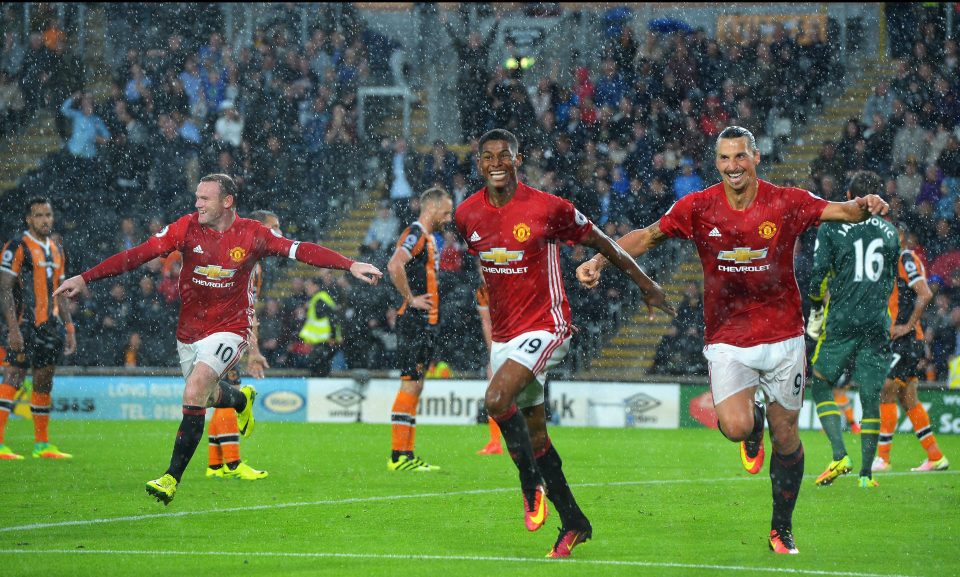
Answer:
(780, 369)
(219, 351)
(539, 351)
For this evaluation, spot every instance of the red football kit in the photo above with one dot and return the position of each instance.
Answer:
(215, 279)
(750, 293)
(518, 246)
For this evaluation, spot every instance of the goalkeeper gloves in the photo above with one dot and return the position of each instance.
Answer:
(815, 322)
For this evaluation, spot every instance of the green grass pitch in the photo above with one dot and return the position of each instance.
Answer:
(663, 503)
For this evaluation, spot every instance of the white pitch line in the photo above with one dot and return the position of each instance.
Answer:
(381, 498)
(471, 558)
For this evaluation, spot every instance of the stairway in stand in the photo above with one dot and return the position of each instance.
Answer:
(24, 151)
(829, 125)
(630, 353)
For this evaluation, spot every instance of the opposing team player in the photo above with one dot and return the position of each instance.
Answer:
(517, 231)
(857, 263)
(223, 433)
(744, 230)
(414, 268)
(219, 250)
(39, 327)
(910, 297)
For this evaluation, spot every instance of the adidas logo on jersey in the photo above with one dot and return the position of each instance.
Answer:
(714, 232)
(474, 237)
(197, 249)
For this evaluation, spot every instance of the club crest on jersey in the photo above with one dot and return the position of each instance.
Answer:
(214, 272)
(521, 232)
(237, 253)
(742, 254)
(501, 255)
(767, 229)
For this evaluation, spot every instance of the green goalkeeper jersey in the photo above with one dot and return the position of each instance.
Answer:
(857, 263)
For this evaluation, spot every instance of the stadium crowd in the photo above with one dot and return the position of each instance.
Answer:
(622, 137)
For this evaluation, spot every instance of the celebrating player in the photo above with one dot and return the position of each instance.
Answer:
(219, 250)
(31, 269)
(910, 297)
(744, 230)
(516, 231)
(857, 263)
(417, 319)
(223, 433)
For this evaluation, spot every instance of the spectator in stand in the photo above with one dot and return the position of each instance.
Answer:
(931, 190)
(12, 105)
(472, 73)
(383, 229)
(910, 140)
(128, 236)
(909, 182)
(401, 176)
(88, 131)
(714, 118)
(828, 163)
(167, 182)
(879, 102)
(438, 167)
(688, 181)
(38, 67)
(271, 332)
(611, 87)
(880, 143)
(12, 55)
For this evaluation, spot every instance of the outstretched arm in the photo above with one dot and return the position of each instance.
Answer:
(653, 294)
(322, 257)
(114, 265)
(635, 243)
(858, 209)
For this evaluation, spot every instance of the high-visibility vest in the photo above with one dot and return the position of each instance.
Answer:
(955, 372)
(318, 329)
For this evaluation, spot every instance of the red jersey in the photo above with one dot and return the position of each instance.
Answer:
(750, 293)
(214, 283)
(518, 246)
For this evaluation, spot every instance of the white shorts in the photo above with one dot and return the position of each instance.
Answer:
(219, 351)
(780, 369)
(539, 351)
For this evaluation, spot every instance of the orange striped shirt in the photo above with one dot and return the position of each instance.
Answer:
(40, 267)
(423, 268)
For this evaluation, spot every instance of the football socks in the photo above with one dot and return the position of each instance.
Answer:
(188, 437)
(40, 409)
(786, 473)
(888, 425)
(829, 414)
(921, 426)
(403, 421)
(7, 393)
(558, 491)
(515, 433)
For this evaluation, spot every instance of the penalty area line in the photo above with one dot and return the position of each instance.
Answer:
(468, 558)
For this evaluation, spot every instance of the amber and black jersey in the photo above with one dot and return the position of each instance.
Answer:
(423, 268)
(910, 271)
(40, 267)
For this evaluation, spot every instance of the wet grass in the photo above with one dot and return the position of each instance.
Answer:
(662, 503)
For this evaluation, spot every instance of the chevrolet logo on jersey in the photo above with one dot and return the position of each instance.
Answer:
(214, 272)
(742, 254)
(501, 255)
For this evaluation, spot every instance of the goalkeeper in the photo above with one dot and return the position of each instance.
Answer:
(858, 263)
